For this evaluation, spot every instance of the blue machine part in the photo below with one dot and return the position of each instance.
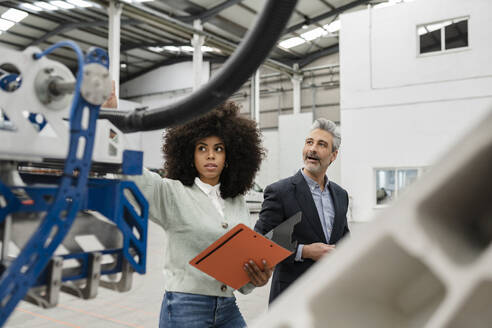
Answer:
(132, 162)
(10, 82)
(63, 203)
(104, 196)
(38, 120)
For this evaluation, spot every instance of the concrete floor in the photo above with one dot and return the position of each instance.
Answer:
(137, 308)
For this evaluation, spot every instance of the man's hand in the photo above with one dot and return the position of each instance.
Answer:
(258, 277)
(316, 251)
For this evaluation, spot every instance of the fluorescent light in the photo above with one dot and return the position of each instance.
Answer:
(314, 34)
(80, 3)
(123, 65)
(31, 7)
(45, 5)
(292, 42)
(171, 48)
(156, 49)
(14, 15)
(5, 24)
(62, 4)
(207, 49)
(187, 48)
(333, 27)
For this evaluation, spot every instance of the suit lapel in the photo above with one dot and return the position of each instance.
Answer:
(336, 219)
(306, 203)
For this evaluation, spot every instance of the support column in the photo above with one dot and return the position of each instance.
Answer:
(296, 87)
(255, 97)
(114, 28)
(197, 43)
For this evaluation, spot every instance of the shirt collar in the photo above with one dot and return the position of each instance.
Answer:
(206, 188)
(313, 184)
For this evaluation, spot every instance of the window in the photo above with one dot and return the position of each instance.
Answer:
(390, 182)
(443, 36)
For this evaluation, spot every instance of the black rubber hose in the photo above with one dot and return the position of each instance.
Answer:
(239, 67)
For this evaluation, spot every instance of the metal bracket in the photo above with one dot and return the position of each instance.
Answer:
(89, 289)
(48, 296)
(125, 282)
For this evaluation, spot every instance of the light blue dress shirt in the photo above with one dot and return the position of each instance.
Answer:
(324, 205)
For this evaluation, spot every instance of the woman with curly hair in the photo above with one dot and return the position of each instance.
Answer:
(210, 163)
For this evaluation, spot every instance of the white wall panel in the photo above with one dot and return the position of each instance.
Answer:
(399, 109)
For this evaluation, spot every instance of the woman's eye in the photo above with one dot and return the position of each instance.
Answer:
(219, 149)
(201, 148)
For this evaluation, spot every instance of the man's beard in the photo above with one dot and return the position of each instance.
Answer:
(311, 167)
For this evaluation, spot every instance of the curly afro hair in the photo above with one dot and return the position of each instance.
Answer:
(242, 140)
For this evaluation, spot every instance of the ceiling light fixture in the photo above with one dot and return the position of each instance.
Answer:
(171, 48)
(62, 4)
(31, 7)
(187, 48)
(45, 5)
(156, 49)
(80, 3)
(14, 15)
(292, 42)
(5, 24)
(333, 27)
(314, 34)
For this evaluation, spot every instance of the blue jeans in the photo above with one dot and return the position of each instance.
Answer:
(199, 311)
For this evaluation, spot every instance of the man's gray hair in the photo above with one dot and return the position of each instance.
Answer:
(329, 126)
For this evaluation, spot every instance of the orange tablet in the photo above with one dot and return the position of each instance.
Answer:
(225, 258)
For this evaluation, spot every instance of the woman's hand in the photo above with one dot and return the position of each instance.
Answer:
(257, 276)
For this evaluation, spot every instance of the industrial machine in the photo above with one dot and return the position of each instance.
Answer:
(44, 189)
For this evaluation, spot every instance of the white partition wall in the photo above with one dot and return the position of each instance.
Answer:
(163, 83)
(292, 131)
(400, 109)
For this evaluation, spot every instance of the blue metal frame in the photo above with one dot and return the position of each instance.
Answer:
(104, 196)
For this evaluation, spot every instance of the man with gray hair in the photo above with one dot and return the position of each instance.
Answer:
(323, 205)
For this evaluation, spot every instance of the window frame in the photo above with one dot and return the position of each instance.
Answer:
(443, 37)
(420, 171)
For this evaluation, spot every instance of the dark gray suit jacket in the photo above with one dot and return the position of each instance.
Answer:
(285, 198)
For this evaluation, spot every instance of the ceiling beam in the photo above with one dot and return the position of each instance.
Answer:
(328, 14)
(193, 9)
(170, 61)
(209, 13)
(132, 45)
(71, 26)
(306, 60)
